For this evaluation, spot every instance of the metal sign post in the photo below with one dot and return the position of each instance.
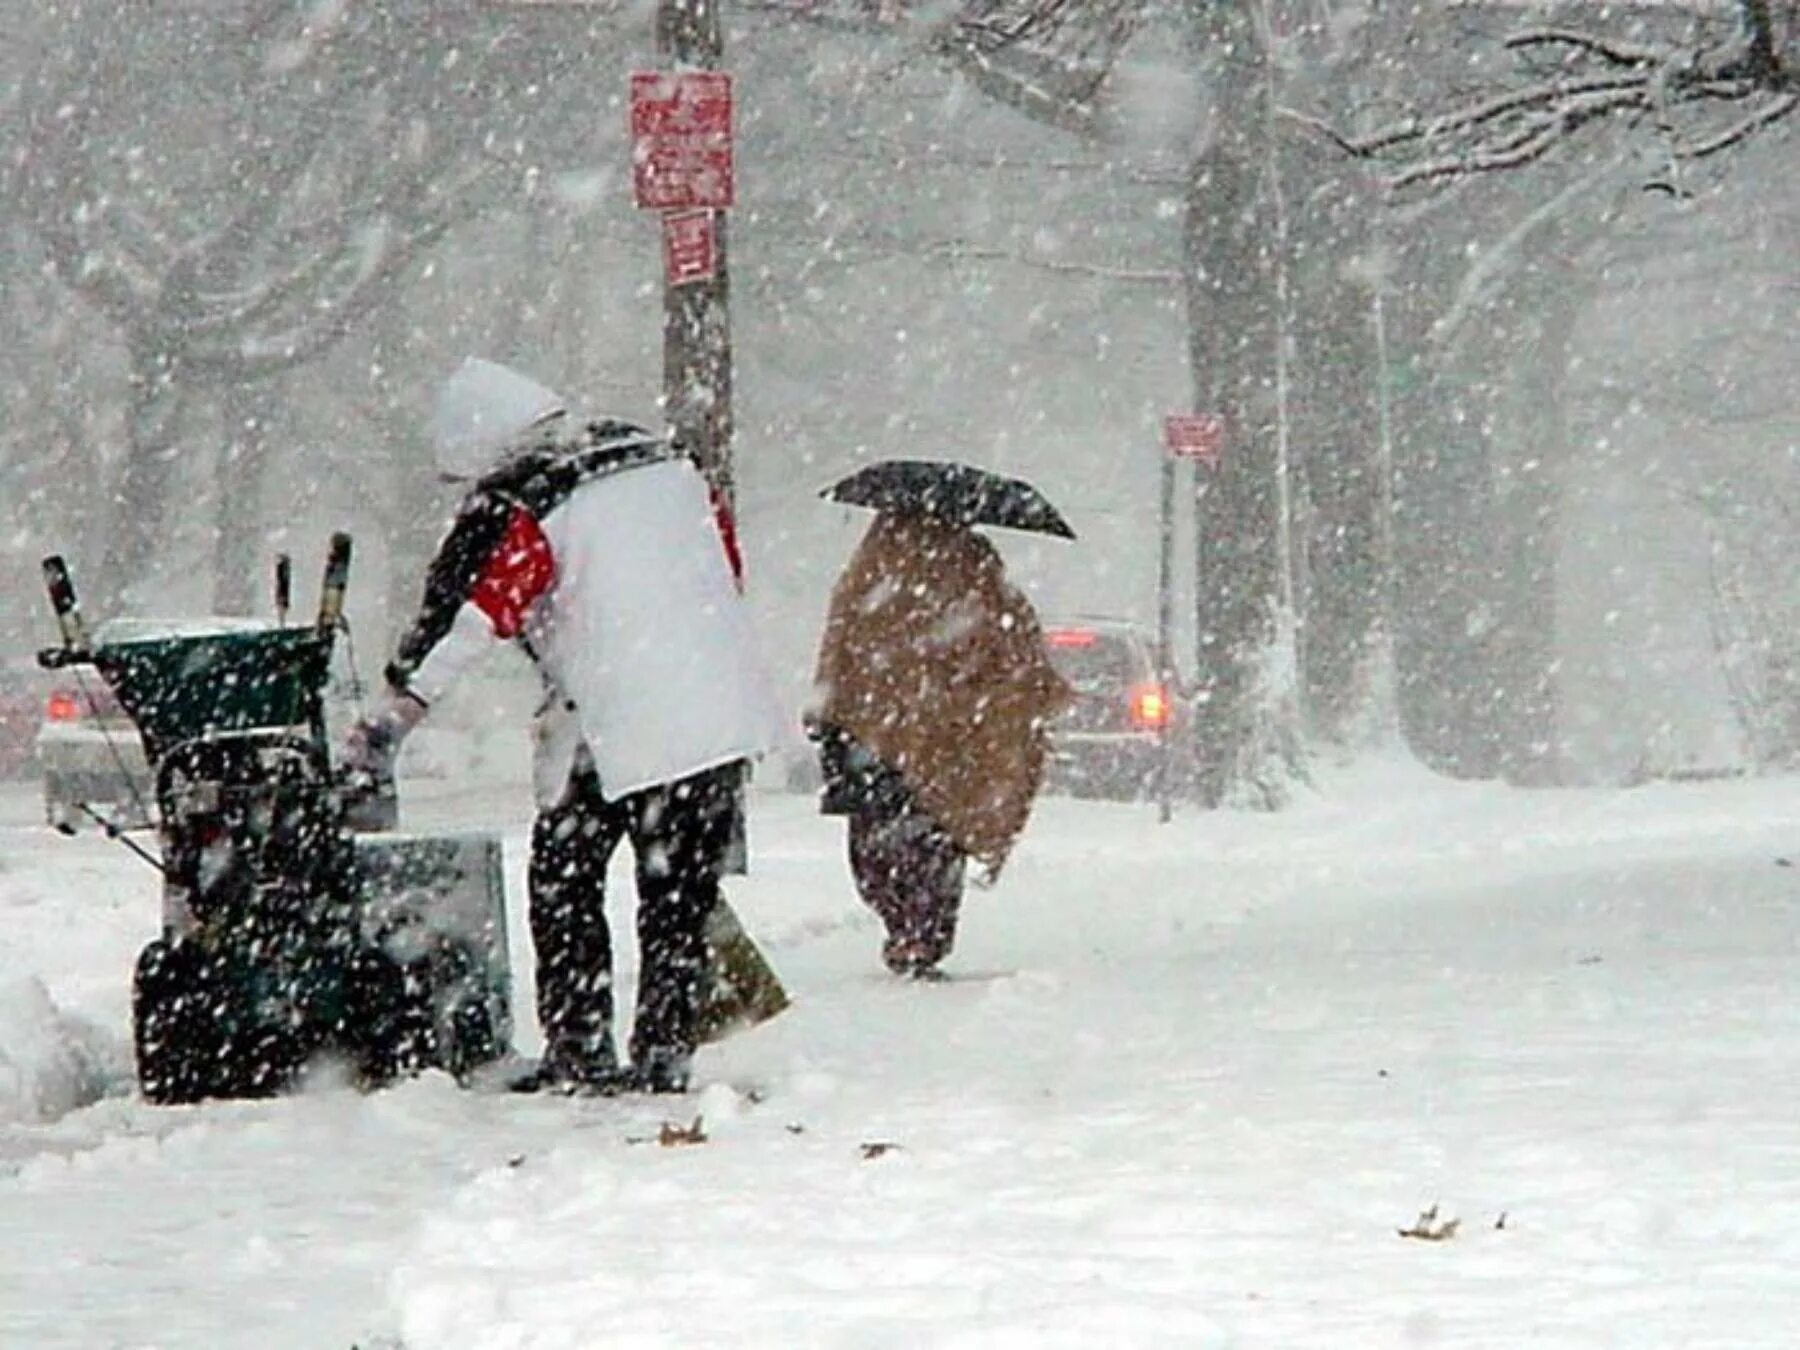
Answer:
(1165, 620)
(1199, 438)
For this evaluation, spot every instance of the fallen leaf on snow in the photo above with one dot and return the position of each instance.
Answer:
(675, 1136)
(1429, 1228)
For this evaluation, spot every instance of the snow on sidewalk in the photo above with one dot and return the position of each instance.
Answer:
(1197, 1079)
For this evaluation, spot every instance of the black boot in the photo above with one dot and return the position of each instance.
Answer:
(571, 1072)
(662, 1071)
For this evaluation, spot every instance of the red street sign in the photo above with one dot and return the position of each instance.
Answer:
(681, 140)
(1199, 436)
(690, 247)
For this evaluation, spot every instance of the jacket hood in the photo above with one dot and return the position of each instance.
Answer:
(482, 410)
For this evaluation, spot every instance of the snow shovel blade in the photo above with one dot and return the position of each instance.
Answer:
(742, 989)
(437, 905)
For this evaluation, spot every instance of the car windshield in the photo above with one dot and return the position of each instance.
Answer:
(1093, 661)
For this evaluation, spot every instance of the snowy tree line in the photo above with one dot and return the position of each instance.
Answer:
(1373, 234)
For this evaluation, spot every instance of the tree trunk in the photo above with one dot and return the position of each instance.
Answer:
(1444, 557)
(1232, 330)
(1338, 432)
(1530, 512)
(240, 566)
(139, 508)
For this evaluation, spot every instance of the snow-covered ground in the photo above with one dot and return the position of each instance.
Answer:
(1194, 1081)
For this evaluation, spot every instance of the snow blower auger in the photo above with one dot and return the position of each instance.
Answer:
(286, 937)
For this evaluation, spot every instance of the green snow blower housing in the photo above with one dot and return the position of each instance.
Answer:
(286, 937)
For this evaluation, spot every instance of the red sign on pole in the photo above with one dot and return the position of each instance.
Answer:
(690, 247)
(1197, 436)
(681, 140)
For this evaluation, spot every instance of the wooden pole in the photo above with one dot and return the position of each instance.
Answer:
(697, 335)
(697, 315)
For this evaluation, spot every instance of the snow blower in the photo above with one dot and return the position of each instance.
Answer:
(286, 937)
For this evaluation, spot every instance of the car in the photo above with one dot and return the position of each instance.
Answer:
(90, 755)
(1109, 742)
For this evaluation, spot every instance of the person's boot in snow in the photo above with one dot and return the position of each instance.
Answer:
(914, 958)
(576, 1073)
(662, 1071)
(911, 874)
(903, 956)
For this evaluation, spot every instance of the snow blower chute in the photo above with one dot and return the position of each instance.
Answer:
(286, 936)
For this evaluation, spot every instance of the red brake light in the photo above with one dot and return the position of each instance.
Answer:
(1069, 637)
(1149, 708)
(62, 707)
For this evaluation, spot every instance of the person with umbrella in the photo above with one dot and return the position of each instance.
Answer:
(933, 692)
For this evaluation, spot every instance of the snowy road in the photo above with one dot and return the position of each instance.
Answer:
(1196, 1080)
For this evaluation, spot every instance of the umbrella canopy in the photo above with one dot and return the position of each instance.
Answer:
(959, 494)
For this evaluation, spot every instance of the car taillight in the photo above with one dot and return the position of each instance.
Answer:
(1069, 637)
(1149, 708)
(62, 706)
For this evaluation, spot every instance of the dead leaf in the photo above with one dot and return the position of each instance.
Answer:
(876, 1149)
(1429, 1228)
(677, 1136)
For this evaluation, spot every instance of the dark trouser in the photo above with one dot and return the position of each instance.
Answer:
(911, 874)
(679, 834)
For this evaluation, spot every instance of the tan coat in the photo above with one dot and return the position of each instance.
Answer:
(936, 665)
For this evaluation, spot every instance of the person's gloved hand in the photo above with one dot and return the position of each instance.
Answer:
(372, 744)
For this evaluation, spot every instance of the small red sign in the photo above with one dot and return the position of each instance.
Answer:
(690, 247)
(681, 140)
(1197, 436)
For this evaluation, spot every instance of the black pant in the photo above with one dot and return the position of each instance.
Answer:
(911, 874)
(679, 833)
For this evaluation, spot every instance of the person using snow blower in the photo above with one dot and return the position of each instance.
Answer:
(598, 549)
(933, 692)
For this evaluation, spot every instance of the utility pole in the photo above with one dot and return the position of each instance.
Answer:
(697, 314)
(682, 167)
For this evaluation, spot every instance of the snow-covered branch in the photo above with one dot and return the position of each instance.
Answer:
(1772, 111)
(1571, 78)
(1609, 50)
(1046, 58)
(959, 249)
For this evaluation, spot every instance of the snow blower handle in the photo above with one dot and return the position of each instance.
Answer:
(68, 617)
(337, 577)
(284, 587)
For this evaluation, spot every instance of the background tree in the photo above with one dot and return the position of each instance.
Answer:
(234, 190)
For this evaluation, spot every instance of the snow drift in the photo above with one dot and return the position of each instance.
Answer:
(52, 1062)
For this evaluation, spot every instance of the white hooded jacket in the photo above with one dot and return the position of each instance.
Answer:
(606, 557)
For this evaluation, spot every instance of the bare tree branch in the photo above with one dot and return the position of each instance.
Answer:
(1595, 78)
(1609, 50)
(1772, 111)
(1155, 276)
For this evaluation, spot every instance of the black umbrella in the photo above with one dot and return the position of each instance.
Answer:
(959, 494)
